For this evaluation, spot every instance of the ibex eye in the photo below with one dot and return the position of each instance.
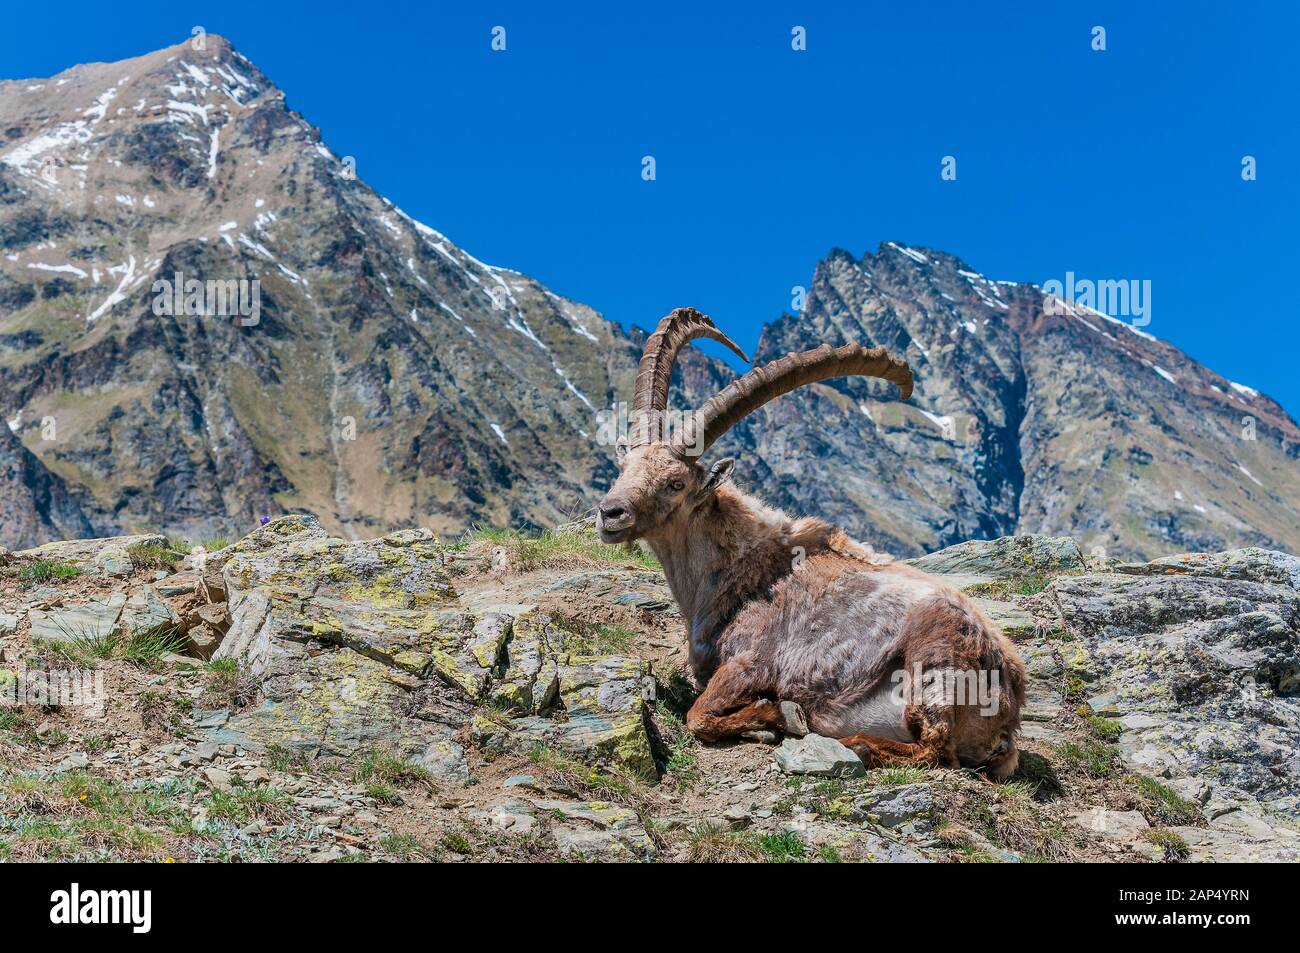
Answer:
(678, 485)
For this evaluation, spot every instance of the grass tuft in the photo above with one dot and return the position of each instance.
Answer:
(153, 556)
(245, 804)
(1164, 805)
(382, 769)
(710, 845)
(1097, 759)
(47, 570)
(682, 761)
(562, 547)
(1172, 844)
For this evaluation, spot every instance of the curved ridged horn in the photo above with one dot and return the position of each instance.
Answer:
(653, 377)
(742, 397)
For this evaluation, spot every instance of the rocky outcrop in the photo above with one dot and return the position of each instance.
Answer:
(1202, 671)
(361, 643)
(357, 686)
(1195, 661)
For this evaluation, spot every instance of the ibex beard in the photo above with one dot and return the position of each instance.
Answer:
(792, 625)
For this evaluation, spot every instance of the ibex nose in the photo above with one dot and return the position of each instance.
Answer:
(615, 515)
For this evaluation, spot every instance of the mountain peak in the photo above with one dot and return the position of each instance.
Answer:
(207, 317)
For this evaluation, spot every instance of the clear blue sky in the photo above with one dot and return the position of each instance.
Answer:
(1119, 164)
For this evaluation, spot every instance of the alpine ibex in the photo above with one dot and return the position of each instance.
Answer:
(792, 625)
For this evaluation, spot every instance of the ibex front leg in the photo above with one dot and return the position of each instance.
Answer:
(733, 703)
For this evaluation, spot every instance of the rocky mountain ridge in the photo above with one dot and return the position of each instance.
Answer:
(392, 380)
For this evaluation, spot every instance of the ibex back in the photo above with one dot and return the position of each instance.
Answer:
(792, 625)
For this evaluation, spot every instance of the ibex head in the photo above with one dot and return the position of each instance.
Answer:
(660, 476)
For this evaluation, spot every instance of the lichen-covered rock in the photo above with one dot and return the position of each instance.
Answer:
(339, 703)
(1005, 557)
(1252, 563)
(1012, 620)
(1202, 670)
(604, 713)
(84, 553)
(304, 606)
(910, 807)
(113, 561)
(530, 682)
(383, 597)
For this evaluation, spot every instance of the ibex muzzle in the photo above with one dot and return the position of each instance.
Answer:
(615, 519)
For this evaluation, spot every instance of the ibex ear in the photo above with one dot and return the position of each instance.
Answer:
(718, 475)
(620, 452)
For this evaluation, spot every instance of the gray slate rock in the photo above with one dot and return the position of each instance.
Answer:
(909, 806)
(819, 756)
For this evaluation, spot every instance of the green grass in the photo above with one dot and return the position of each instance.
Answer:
(285, 759)
(383, 769)
(226, 685)
(161, 711)
(47, 570)
(586, 638)
(382, 793)
(565, 546)
(709, 845)
(712, 845)
(1097, 759)
(82, 644)
(1009, 817)
(611, 785)
(243, 805)
(1028, 585)
(897, 777)
(146, 648)
(183, 546)
(783, 847)
(409, 847)
(1172, 844)
(77, 815)
(1104, 729)
(683, 750)
(153, 556)
(829, 797)
(1164, 804)
(457, 843)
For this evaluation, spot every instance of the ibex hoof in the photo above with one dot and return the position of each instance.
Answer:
(762, 736)
(795, 724)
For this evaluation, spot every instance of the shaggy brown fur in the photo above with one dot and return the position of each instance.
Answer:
(792, 610)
